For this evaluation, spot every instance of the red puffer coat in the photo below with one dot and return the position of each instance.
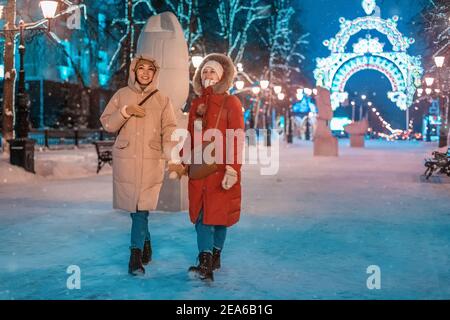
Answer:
(220, 206)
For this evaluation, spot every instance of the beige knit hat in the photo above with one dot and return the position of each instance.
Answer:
(214, 65)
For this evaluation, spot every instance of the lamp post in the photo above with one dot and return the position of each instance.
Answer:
(443, 107)
(21, 148)
(288, 122)
(264, 84)
(353, 103)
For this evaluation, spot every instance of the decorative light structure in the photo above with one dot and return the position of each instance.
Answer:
(403, 71)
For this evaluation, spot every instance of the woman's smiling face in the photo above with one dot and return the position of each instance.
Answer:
(145, 73)
(210, 73)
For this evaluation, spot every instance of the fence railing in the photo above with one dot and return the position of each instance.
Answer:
(75, 137)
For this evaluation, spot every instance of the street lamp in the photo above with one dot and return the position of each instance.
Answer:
(264, 84)
(443, 109)
(197, 61)
(288, 116)
(429, 81)
(48, 8)
(439, 61)
(239, 84)
(277, 89)
(256, 90)
(21, 147)
(364, 97)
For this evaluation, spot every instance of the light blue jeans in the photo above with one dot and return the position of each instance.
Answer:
(208, 236)
(139, 229)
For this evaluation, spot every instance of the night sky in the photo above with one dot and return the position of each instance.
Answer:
(321, 19)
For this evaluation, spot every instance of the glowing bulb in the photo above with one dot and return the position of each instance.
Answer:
(197, 61)
(439, 61)
(429, 81)
(264, 84)
(256, 90)
(277, 89)
(48, 8)
(239, 84)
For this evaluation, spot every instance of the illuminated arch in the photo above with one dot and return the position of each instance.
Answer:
(350, 28)
(403, 71)
(378, 63)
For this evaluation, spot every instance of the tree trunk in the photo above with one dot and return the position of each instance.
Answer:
(10, 76)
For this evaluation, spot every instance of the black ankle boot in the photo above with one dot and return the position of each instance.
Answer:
(135, 266)
(204, 269)
(147, 253)
(216, 259)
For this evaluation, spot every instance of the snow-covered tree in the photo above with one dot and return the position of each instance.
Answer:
(436, 27)
(283, 42)
(236, 18)
(187, 12)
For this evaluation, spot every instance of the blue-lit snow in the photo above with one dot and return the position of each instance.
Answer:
(309, 232)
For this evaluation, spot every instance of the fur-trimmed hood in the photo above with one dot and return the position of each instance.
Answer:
(229, 72)
(133, 84)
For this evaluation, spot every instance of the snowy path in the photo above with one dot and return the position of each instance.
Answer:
(309, 232)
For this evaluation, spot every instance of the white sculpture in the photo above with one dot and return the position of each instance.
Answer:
(163, 39)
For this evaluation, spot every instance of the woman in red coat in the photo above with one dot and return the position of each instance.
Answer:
(215, 201)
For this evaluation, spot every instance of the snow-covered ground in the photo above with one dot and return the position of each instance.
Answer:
(309, 232)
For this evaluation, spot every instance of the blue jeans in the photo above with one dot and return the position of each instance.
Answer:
(139, 229)
(209, 237)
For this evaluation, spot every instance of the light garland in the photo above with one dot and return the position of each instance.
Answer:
(387, 125)
(402, 70)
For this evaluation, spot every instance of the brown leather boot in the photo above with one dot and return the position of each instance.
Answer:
(147, 253)
(135, 266)
(216, 259)
(204, 269)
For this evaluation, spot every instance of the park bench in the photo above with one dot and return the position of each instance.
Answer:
(440, 162)
(104, 153)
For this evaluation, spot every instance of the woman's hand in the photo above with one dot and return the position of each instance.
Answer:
(176, 170)
(230, 178)
(135, 110)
